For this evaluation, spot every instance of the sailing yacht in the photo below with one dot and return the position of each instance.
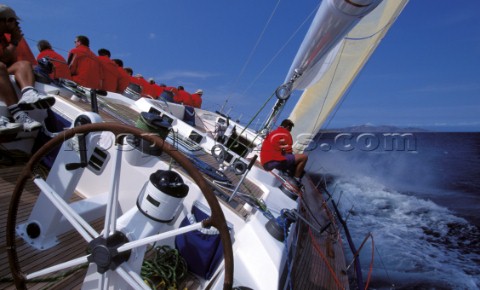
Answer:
(138, 194)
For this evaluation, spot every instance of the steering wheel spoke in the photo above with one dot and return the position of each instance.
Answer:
(58, 267)
(82, 227)
(112, 244)
(161, 236)
(111, 211)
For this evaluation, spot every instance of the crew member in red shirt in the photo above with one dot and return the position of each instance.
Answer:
(277, 152)
(124, 79)
(110, 74)
(197, 98)
(25, 53)
(134, 80)
(157, 90)
(183, 97)
(147, 90)
(168, 94)
(60, 67)
(23, 50)
(84, 64)
(23, 71)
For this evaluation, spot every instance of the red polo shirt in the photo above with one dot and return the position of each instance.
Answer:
(85, 67)
(156, 90)
(197, 100)
(23, 51)
(183, 97)
(110, 73)
(271, 149)
(147, 90)
(123, 80)
(60, 67)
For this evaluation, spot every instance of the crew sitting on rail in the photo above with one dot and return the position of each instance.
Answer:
(276, 152)
(23, 71)
(183, 97)
(197, 98)
(84, 64)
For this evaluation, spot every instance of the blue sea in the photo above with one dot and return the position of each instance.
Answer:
(418, 194)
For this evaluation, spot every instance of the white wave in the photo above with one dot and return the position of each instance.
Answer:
(417, 241)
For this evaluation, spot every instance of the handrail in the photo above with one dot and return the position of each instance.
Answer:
(358, 268)
(370, 268)
(355, 255)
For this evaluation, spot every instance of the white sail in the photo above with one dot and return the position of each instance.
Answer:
(337, 69)
(333, 20)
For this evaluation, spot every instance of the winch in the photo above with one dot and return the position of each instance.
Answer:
(162, 196)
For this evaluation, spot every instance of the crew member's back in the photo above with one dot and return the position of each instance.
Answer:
(84, 64)
(60, 67)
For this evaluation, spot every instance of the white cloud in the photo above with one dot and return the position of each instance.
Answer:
(179, 74)
(433, 88)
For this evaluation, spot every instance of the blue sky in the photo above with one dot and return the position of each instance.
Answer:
(425, 73)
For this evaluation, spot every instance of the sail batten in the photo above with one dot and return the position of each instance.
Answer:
(336, 70)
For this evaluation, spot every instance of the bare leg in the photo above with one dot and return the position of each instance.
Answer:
(31, 99)
(7, 92)
(23, 72)
(300, 163)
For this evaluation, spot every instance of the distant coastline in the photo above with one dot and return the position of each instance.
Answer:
(394, 129)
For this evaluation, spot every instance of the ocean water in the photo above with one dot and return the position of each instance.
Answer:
(418, 194)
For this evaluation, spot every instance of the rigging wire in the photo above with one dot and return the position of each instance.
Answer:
(281, 49)
(242, 71)
(55, 47)
(272, 60)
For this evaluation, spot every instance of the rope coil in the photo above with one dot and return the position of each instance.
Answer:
(165, 269)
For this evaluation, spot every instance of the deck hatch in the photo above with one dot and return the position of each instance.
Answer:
(195, 137)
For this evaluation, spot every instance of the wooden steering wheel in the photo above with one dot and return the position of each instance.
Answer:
(216, 220)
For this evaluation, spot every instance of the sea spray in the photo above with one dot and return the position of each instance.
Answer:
(413, 237)
(420, 206)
